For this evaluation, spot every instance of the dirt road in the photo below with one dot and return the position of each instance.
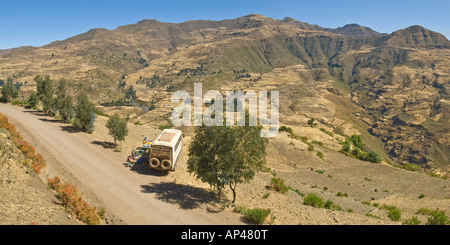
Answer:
(132, 197)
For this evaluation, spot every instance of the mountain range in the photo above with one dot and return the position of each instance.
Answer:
(393, 89)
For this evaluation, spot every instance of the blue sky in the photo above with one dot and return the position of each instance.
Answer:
(38, 23)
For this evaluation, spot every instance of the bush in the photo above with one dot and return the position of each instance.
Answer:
(326, 131)
(346, 147)
(36, 162)
(438, 217)
(312, 123)
(425, 211)
(320, 154)
(340, 194)
(313, 200)
(101, 113)
(278, 185)
(330, 205)
(317, 142)
(413, 221)
(372, 216)
(356, 140)
(9, 91)
(73, 202)
(394, 214)
(374, 157)
(285, 129)
(257, 215)
(33, 100)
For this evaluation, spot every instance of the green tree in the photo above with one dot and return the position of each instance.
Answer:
(223, 155)
(61, 90)
(356, 140)
(9, 91)
(117, 128)
(45, 93)
(66, 109)
(33, 100)
(64, 101)
(84, 114)
(374, 157)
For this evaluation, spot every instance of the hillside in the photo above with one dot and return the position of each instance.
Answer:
(24, 198)
(390, 88)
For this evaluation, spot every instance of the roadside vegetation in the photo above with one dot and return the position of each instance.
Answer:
(35, 160)
(73, 202)
(70, 196)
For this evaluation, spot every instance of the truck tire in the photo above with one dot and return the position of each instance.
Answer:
(154, 163)
(166, 164)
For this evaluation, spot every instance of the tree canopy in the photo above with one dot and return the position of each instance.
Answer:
(84, 114)
(227, 155)
(117, 128)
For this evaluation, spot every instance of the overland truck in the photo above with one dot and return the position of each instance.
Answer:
(165, 150)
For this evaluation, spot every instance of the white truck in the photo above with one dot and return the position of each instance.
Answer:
(165, 150)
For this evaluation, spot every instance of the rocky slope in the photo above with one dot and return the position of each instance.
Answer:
(24, 197)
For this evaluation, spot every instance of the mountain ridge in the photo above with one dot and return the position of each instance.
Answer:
(381, 72)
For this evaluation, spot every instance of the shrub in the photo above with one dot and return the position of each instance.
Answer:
(33, 100)
(421, 196)
(394, 214)
(331, 205)
(374, 157)
(278, 185)
(372, 216)
(240, 209)
(313, 200)
(438, 218)
(340, 194)
(356, 140)
(285, 129)
(36, 162)
(73, 202)
(317, 142)
(310, 147)
(326, 131)
(311, 122)
(425, 211)
(9, 91)
(320, 154)
(257, 215)
(101, 113)
(413, 221)
(346, 147)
